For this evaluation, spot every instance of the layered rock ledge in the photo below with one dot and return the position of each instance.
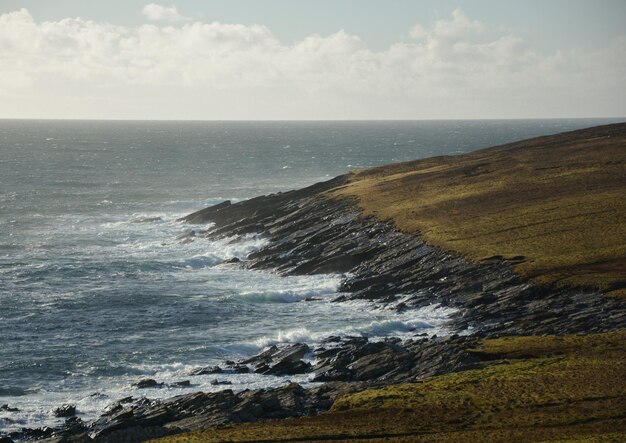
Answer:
(310, 232)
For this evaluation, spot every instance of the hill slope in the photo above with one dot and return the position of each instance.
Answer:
(554, 205)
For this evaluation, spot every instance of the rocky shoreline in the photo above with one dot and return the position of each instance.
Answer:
(309, 232)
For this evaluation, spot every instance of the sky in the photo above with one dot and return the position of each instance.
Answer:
(315, 60)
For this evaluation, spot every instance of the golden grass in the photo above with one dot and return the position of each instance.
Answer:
(557, 201)
(545, 389)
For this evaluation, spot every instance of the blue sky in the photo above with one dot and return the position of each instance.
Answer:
(551, 24)
(334, 59)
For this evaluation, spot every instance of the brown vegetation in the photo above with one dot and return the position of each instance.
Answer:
(555, 206)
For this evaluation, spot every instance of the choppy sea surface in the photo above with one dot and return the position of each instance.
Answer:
(97, 293)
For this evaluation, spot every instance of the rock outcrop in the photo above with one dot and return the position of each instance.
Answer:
(285, 360)
(310, 233)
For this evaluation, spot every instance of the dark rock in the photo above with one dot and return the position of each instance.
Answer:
(146, 219)
(375, 365)
(143, 401)
(201, 410)
(7, 408)
(221, 382)
(117, 406)
(187, 237)
(329, 373)
(283, 360)
(73, 426)
(332, 339)
(207, 370)
(240, 369)
(6, 440)
(262, 357)
(108, 423)
(65, 411)
(147, 383)
(286, 367)
(181, 384)
(37, 433)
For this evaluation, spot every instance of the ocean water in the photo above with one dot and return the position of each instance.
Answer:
(96, 292)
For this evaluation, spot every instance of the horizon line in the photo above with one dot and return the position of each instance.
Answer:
(305, 120)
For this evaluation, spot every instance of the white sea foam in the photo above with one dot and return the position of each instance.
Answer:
(280, 296)
(292, 289)
(373, 323)
(298, 335)
(237, 247)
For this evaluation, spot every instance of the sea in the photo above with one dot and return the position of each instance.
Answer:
(97, 292)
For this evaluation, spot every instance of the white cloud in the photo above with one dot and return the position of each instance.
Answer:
(158, 13)
(418, 32)
(451, 69)
(458, 26)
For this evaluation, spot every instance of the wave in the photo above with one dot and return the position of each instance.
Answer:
(390, 327)
(214, 252)
(431, 319)
(146, 219)
(282, 296)
(199, 262)
(15, 392)
(237, 247)
(293, 289)
(299, 335)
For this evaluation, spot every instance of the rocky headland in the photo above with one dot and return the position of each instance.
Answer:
(527, 242)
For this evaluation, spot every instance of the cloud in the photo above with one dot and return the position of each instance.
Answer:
(458, 26)
(158, 13)
(449, 69)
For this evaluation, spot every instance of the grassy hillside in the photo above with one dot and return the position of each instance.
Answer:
(569, 388)
(555, 206)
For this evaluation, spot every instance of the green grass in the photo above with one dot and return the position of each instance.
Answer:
(556, 201)
(533, 389)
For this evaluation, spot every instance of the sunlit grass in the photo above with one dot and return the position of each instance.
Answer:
(557, 201)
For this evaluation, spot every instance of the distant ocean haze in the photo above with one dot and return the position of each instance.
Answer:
(97, 292)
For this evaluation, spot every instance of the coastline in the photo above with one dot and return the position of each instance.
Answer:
(333, 227)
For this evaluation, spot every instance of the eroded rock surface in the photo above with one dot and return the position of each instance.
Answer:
(310, 233)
